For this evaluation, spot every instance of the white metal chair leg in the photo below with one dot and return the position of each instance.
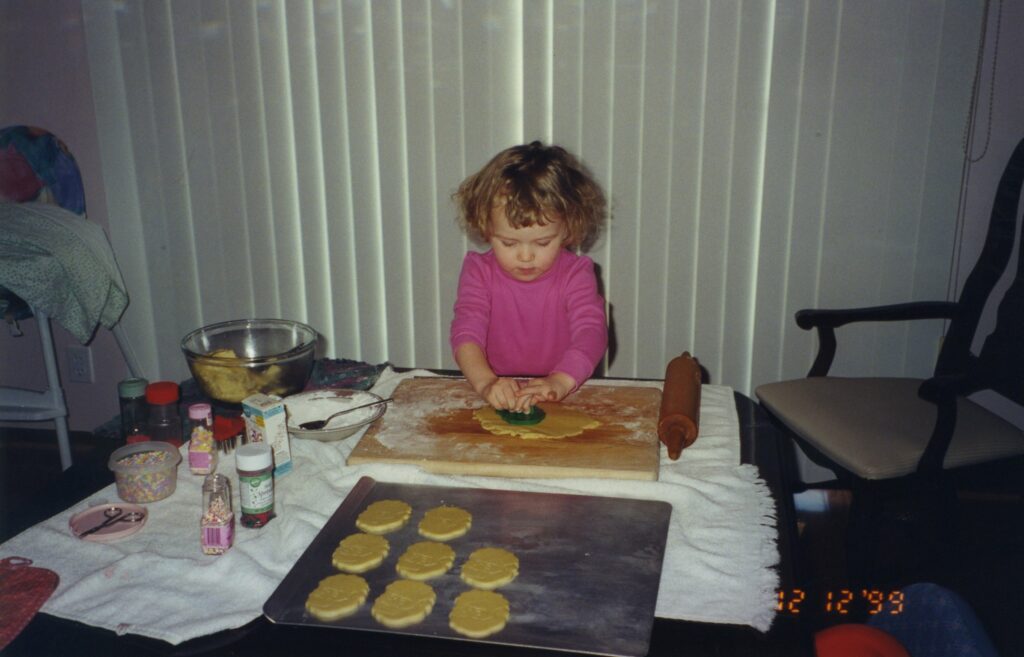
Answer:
(63, 442)
(22, 405)
(59, 409)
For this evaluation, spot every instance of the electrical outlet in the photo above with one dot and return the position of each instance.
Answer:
(80, 364)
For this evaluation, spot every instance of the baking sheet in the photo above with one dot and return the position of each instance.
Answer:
(589, 567)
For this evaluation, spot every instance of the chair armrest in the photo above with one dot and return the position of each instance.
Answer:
(826, 321)
(813, 318)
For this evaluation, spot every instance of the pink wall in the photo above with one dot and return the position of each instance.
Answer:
(44, 81)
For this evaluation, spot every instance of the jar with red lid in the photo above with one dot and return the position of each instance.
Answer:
(164, 418)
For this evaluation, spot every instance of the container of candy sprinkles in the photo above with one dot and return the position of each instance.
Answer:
(146, 471)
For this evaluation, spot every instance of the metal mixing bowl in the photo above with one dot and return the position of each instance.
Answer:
(232, 360)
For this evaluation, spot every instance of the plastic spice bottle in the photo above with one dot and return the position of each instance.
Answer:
(255, 463)
(202, 453)
(217, 526)
(131, 394)
(164, 420)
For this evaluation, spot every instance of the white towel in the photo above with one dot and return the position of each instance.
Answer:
(719, 561)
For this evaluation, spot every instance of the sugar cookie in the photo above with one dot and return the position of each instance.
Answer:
(489, 568)
(384, 516)
(337, 596)
(444, 523)
(403, 603)
(425, 560)
(479, 613)
(358, 553)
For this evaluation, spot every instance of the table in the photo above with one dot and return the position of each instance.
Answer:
(48, 635)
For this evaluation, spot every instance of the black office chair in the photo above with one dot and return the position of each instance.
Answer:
(896, 441)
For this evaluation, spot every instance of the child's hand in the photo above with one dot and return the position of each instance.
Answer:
(502, 393)
(554, 387)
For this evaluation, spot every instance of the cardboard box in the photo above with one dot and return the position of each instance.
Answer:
(266, 422)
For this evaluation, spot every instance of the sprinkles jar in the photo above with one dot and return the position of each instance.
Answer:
(202, 453)
(217, 526)
(146, 471)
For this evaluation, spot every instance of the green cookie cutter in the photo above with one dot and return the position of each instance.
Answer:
(533, 416)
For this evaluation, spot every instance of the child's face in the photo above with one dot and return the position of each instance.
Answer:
(525, 253)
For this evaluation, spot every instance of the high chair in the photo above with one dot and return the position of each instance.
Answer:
(36, 166)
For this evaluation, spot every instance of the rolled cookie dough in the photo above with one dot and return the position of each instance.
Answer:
(403, 603)
(337, 596)
(490, 567)
(560, 421)
(384, 516)
(358, 553)
(425, 560)
(479, 613)
(445, 523)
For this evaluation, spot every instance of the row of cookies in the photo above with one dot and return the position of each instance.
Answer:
(476, 613)
(486, 568)
(441, 523)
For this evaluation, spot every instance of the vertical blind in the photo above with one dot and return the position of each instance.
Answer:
(296, 159)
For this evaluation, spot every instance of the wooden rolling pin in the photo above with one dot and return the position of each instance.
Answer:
(679, 421)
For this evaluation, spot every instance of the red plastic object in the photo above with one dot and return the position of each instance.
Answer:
(23, 590)
(855, 640)
(162, 392)
(226, 427)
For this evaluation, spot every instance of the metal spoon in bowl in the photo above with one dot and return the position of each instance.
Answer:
(315, 425)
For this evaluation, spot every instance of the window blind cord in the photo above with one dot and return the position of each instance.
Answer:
(968, 134)
(968, 142)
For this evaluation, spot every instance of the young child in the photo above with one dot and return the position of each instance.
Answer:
(529, 307)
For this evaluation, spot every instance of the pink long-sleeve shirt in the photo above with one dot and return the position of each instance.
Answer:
(555, 323)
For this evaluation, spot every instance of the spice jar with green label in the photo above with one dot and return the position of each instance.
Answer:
(255, 464)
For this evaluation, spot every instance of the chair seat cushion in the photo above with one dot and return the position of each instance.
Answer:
(877, 428)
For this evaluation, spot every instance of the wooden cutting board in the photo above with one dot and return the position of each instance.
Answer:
(430, 423)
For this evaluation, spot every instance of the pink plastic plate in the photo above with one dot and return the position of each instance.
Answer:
(86, 520)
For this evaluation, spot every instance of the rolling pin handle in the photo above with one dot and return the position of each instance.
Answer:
(680, 404)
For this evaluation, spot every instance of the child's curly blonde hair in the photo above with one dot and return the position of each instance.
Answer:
(536, 184)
